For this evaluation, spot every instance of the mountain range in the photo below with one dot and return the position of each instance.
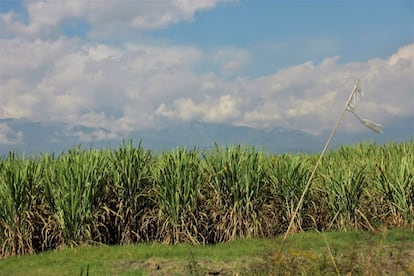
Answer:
(41, 137)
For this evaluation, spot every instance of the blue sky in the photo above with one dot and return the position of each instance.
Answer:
(126, 65)
(354, 30)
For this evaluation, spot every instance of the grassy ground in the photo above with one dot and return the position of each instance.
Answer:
(354, 253)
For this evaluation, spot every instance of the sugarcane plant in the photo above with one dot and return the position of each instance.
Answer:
(129, 180)
(177, 180)
(18, 180)
(73, 185)
(287, 178)
(236, 181)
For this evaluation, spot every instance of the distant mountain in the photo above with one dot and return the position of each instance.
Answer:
(40, 137)
(204, 135)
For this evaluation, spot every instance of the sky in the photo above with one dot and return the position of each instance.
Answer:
(126, 65)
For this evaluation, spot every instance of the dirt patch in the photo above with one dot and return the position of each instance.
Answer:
(391, 260)
(156, 266)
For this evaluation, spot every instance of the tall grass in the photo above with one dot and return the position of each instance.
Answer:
(344, 189)
(128, 182)
(287, 176)
(177, 183)
(18, 177)
(395, 183)
(236, 183)
(130, 195)
(73, 187)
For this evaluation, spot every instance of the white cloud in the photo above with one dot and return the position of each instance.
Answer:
(44, 17)
(213, 110)
(405, 53)
(163, 13)
(125, 88)
(308, 97)
(66, 80)
(47, 77)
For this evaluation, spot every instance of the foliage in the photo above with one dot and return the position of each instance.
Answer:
(131, 195)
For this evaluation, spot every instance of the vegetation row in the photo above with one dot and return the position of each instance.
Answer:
(131, 195)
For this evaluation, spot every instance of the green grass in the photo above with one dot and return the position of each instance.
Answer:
(353, 252)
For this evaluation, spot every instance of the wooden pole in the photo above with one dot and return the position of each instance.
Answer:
(305, 190)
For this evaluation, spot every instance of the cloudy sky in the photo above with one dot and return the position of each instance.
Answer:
(126, 65)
